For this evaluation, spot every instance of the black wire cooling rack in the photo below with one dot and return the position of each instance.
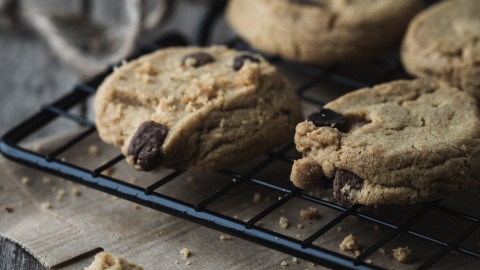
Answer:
(199, 212)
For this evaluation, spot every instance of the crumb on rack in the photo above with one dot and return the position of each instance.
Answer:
(224, 237)
(309, 213)
(257, 197)
(60, 195)
(8, 209)
(284, 263)
(369, 261)
(403, 254)
(188, 262)
(136, 206)
(299, 225)
(295, 260)
(185, 252)
(93, 150)
(382, 251)
(26, 180)
(46, 205)
(47, 180)
(75, 191)
(349, 243)
(283, 221)
(339, 229)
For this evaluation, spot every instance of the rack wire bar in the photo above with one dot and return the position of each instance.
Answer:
(452, 245)
(199, 213)
(107, 165)
(309, 240)
(393, 233)
(70, 143)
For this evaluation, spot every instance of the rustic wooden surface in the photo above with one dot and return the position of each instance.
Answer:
(13, 256)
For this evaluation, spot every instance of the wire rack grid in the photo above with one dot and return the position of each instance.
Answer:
(199, 212)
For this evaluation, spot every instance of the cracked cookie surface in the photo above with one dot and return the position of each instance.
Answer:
(443, 42)
(321, 31)
(399, 142)
(195, 108)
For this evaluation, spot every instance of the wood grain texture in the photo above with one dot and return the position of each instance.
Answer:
(12, 256)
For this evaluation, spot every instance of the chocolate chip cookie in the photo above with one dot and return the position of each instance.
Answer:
(443, 42)
(321, 31)
(195, 108)
(399, 142)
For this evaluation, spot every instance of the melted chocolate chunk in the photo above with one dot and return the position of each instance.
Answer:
(145, 146)
(329, 118)
(200, 59)
(239, 60)
(343, 178)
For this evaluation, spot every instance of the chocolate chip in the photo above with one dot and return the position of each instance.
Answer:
(239, 60)
(308, 2)
(200, 59)
(329, 118)
(145, 146)
(343, 178)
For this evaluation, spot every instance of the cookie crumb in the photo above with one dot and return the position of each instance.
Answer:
(136, 206)
(310, 213)
(349, 243)
(300, 226)
(60, 195)
(295, 260)
(188, 262)
(190, 179)
(8, 209)
(132, 180)
(357, 252)
(257, 197)
(75, 192)
(26, 181)
(109, 171)
(339, 229)
(368, 261)
(63, 159)
(224, 237)
(176, 262)
(283, 222)
(284, 263)
(93, 150)
(185, 252)
(403, 254)
(382, 251)
(104, 261)
(47, 180)
(46, 205)
(453, 253)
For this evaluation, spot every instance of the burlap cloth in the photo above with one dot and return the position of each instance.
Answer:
(67, 235)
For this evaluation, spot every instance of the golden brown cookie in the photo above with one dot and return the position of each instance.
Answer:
(322, 31)
(398, 142)
(195, 108)
(443, 42)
